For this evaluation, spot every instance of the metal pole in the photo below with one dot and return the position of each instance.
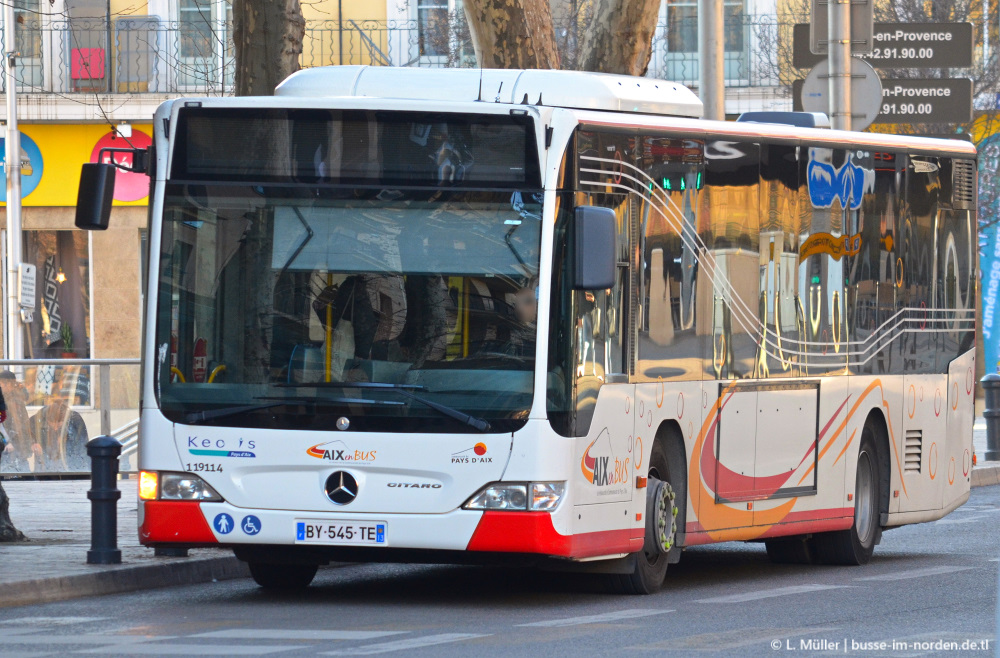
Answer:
(109, 37)
(991, 413)
(711, 46)
(839, 45)
(104, 371)
(12, 170)
(340, 30)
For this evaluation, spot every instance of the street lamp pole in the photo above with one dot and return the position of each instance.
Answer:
(839, 48)
(711, 45)
(12, 170)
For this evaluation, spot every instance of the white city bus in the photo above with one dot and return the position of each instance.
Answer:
(544, 317)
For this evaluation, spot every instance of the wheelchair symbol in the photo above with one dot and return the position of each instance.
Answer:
(250, 525)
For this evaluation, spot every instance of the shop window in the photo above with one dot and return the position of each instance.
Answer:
(61, 323)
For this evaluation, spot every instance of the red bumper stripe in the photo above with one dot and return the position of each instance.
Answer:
(174, 522)
(533, 532)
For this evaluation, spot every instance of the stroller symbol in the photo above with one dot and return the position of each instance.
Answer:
(250, 525)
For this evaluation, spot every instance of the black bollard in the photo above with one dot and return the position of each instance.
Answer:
(104, 495)
(991, 387)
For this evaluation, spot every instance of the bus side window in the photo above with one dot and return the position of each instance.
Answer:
(733, 213)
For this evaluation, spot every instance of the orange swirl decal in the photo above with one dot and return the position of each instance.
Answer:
(587, 463)
(720, 520)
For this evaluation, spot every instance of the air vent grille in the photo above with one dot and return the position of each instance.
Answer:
(964, 185)
(913, 451)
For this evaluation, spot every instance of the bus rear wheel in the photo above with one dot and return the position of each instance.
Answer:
(856, 545)
(282, 576)
(661, 531)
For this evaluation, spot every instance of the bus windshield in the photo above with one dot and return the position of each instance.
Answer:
(298, 307)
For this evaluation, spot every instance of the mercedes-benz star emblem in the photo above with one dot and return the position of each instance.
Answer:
(343, 423)
(341, 487)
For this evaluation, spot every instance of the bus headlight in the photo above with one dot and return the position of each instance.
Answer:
(518, 496)
(545, 496)
(185, 486)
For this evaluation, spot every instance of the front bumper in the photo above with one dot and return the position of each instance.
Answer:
(196, 524)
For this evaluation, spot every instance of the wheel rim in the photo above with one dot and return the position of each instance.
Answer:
(663, 520)
(864, 504)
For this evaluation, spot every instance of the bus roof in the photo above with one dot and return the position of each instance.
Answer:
(569, 89)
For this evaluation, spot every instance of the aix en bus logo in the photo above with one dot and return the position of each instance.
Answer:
(337, 451)
(600, 466)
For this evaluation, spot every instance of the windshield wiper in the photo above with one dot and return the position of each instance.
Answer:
(199, 416)
(404, 390)
(415, 387)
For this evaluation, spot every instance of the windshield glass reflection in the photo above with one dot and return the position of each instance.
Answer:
(291, 307)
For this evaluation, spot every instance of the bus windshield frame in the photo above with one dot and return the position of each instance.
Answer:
(401, 302)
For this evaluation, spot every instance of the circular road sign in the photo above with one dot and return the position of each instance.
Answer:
(866, 92)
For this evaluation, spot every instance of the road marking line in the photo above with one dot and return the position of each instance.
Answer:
(405, 645)
(914, 573)
(53, 621)
(770, 593)
(191, 650)
(305, 634)
(620, 615)
(82, 639)
(959, 521)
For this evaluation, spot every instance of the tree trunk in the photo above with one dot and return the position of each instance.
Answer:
(512, 34)
(267, 35)
(620, 37)
(7, 530)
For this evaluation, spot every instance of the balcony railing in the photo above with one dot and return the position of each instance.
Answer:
(150, 55)
(127, 55)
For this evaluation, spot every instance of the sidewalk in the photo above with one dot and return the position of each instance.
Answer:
(52, 566)
(985, 473)
(55, 516)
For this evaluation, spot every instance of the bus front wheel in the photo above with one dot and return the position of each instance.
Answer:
(282, 576)
(661, 531)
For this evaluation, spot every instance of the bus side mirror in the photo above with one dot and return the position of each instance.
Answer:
(595, 260)
(93, 202)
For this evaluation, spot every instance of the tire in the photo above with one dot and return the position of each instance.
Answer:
(661, 532)
(282, 576)
(856, 545)
(790, 550)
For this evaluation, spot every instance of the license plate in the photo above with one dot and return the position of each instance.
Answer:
(345, 533)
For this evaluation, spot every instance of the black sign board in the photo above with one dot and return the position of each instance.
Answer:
(926, 101)
(902, 46)
(917, 101)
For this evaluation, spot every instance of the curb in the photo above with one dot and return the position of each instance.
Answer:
(122, 579)
(986, 474)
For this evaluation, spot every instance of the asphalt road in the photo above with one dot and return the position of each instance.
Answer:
(930, 590)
